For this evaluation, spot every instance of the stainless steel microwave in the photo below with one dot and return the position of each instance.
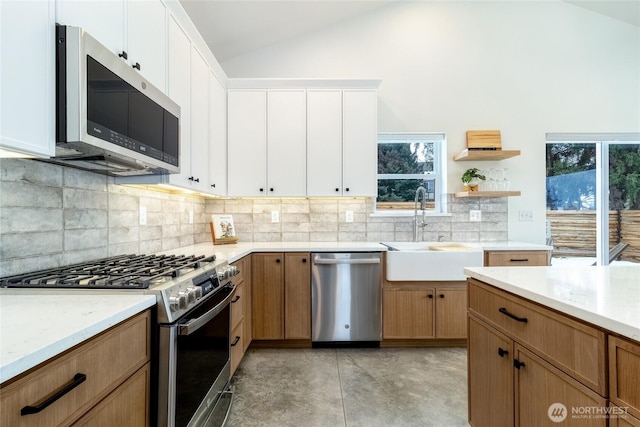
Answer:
(109, 119)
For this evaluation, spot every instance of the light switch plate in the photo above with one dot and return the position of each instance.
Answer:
(275, 216)
(190, 217)
(525, 216)
(475, 215)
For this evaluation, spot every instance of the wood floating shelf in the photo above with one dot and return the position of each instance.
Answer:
(487, 194)
(485, 155)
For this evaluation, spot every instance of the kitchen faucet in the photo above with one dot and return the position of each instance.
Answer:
(421, 194)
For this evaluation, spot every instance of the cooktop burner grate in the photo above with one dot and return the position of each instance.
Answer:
(119, 272)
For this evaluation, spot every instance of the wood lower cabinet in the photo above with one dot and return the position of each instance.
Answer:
(423, 311)
(490, 378)
(114, 365)
(515, 258)
(532, 366)
(620, 417)
(624, 374)
(281, 296)
(241, 312)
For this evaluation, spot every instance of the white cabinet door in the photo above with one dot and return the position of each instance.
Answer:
(217, 136)
(147, 40)
(27, 31)
(286, 143)
(102, 19)
(179, 88)
(359, 143)
(247, 137)
(199, 177)
(324, 143)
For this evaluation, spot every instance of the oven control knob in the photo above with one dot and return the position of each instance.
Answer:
(178, 301)
(223, 274)
(193, 293)
(233, 270)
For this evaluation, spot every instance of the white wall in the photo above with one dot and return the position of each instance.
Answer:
(525, 68)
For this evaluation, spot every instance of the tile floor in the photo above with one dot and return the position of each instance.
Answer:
(351, 387)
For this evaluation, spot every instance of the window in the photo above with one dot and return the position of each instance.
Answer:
(593, 195)
(407, 161)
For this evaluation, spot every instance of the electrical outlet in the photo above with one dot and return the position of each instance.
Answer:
(275, 216)
(348, 216)
(143, 215)
(475, 216)
(190, 217)
(525, 216)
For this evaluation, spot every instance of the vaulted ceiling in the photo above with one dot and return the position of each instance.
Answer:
(235, 27)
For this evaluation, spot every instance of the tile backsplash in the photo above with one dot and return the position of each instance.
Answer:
(52, 216)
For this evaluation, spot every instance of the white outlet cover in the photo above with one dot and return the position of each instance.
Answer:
(190, 217)
(275, 216)
(475, 215)
(143, 215)
(348, 216)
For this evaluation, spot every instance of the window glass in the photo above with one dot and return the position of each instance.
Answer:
(405, 163)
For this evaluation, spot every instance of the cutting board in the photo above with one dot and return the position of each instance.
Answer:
(451, 248)
(484, 139)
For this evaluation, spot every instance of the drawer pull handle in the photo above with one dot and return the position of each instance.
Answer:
(519, 259)
(513, 316)
(235, 299)
(75, 382)
(502, 352)
(518, 364)
(235, 342)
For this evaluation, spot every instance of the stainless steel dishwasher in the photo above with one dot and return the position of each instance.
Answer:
(346, 299)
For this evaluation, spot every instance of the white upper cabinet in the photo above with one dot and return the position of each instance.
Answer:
(286, 143)
(199, 175)
(27, 31)
(324, 143)
(147, 40)
(217, 136)
(134, 30)
(360, 142)
(247, 142)
(179, 86)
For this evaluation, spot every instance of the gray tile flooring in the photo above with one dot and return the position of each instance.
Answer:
(351, 387)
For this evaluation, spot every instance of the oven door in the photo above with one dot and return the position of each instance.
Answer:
(194, 362)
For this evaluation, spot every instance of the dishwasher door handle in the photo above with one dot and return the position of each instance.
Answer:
(329, 261)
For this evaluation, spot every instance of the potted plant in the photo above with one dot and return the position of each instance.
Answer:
(470, 178)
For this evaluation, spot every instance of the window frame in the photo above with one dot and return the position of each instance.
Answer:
(438, 175)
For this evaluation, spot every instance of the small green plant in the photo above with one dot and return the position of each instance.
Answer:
(470, 174)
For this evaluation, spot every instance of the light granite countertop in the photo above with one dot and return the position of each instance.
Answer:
(38, 325)
(608, 297)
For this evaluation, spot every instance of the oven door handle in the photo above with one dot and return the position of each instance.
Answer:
(194, 324)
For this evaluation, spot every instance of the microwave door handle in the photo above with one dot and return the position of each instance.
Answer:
(194, 324)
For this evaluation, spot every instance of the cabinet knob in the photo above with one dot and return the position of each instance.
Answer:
(441, 295)
(271, 189)
(347, 189)
(502, 352)
(213, 185)
(261, 190)
(136, 66)
(337, 189)
(304, 260)
(430, 296)
(277, 260)
(197, 180)
(191, 178)
(123, 55)
(518, 364)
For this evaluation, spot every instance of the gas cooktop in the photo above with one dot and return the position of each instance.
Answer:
(118, 272)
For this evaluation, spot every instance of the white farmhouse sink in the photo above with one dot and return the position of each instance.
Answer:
(418, 261)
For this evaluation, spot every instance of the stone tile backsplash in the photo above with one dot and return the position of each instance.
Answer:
(52, 216)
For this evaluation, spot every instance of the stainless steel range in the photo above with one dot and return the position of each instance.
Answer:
(192, 349)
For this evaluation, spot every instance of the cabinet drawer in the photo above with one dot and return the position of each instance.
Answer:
(514, 259)
(128, 405)
(242, 265)
(237, 307)
(624, 372)
(237, 346)
(576, 348)
(106, 360)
